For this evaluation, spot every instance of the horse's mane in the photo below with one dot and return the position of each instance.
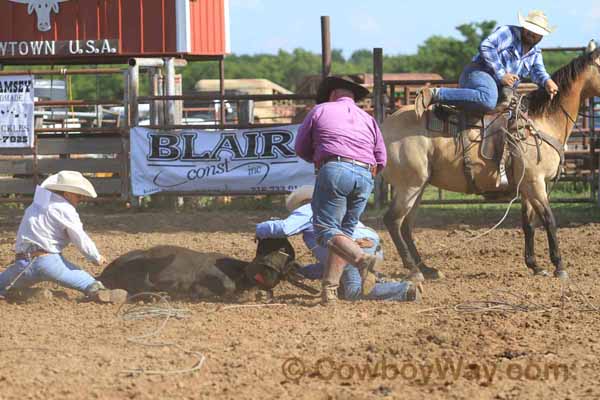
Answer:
(539, 100)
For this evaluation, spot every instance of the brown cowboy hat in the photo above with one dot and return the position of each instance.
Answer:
(339, 82)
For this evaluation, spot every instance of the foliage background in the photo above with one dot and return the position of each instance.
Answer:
(440, 54)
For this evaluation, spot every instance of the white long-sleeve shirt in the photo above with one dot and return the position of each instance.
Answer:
(51, 223)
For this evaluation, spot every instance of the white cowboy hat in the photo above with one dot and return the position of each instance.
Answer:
(293, 200)
(536, 22)
(70, 181)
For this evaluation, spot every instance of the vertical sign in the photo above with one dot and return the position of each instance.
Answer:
(16, 111)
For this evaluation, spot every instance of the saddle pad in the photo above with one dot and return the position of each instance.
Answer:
(448, 125)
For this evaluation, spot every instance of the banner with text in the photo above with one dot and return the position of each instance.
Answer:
(16, 111)
(253, 161)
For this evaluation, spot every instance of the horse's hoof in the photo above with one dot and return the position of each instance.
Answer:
(561, 274)
(431, 274)
(541, 272)
(415, 277)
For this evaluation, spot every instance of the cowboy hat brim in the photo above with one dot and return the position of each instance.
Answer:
(334, 82)
(535, 28)
(79, 185)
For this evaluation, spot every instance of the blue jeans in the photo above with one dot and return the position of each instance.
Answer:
(351, 283)
(477, 91)
(341, 193)
(51, 268)
(352, 286)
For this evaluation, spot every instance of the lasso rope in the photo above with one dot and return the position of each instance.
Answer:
(133, 312)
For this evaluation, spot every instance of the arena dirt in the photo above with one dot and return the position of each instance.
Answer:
(63, 348)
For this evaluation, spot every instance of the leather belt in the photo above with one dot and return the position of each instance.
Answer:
(371, 168)
(30, 256)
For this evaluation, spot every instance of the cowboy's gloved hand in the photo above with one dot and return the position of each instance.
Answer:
(551, 87)
(509, 79)
(101, 261)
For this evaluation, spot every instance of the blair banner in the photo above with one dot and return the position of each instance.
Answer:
(254, 161)
(16, 111)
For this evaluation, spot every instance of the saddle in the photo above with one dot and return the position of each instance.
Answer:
(494, 134)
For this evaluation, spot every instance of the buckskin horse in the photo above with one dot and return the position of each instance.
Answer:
(418, 156)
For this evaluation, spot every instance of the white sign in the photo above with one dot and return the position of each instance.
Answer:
(229, 162)
(16, 111)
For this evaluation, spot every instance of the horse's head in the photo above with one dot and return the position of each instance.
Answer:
(579, 79)
(592, 87)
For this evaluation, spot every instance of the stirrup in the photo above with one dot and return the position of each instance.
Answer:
(502, 178)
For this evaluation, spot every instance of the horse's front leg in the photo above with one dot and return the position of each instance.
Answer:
(551, 230)
(527, 220)
(394, 219)
(538, 199)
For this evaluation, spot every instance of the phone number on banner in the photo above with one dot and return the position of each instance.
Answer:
(269, 189)
(14, 139)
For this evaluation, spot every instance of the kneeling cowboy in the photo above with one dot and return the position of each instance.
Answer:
(47, 227)
(353, 287)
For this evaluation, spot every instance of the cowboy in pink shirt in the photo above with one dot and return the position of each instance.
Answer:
(347, 148)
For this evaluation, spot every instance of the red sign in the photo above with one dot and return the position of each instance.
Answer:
(40, 29)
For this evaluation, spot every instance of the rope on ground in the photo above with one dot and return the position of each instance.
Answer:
(161, 309)
(503, 304)
(223, 308)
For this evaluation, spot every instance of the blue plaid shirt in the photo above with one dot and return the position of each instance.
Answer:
(502, 52)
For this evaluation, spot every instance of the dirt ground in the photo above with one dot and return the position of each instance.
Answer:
(67, 349)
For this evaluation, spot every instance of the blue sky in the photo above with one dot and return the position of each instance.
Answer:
(265, 26)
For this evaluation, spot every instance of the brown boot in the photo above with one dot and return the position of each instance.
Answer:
(347, 248)
(423, 101)
(100, 294)
(414, 292)
(334, 268)
(113, 296)
(505, 97)
(329, 295)
(368, 283)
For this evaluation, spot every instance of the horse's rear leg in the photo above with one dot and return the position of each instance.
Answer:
(405, 199)
(406, 230)
(537, 197)
(527, 219)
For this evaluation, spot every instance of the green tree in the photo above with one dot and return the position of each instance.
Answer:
(444, 55)
(447, 56)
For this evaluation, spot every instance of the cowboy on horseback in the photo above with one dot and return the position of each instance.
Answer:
(507, 55)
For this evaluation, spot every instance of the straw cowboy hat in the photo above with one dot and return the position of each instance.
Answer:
(536, 22)
(339, 82)
(294, 199)
(70, 181)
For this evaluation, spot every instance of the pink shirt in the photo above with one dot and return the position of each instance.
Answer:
(340, 128)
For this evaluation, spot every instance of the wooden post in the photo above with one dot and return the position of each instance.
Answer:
(133, 118)
(392, 99)
(125, 147)
(170, 90)
(325, 47)
(379, 112)
(222, 118)
(593, 145)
